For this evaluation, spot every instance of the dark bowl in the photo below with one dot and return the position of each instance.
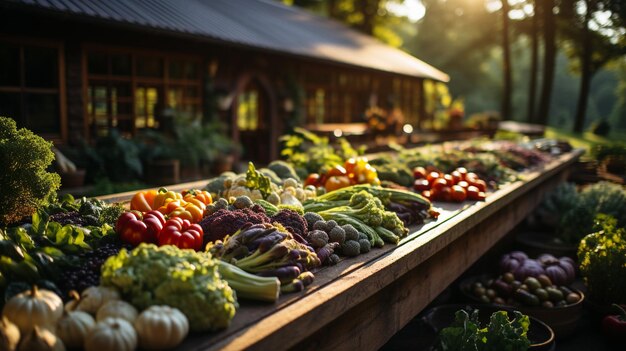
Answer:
(563, 320)
(540, 334)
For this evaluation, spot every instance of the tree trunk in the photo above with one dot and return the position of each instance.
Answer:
(534, 58)
(506, 93)
(586, 71)
(549, 60)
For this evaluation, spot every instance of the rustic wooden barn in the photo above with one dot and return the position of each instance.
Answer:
(72, 69)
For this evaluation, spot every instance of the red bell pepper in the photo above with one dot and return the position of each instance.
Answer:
(182, 234)
(614, 326)
(135, 228)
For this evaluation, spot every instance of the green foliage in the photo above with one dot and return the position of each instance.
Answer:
(26, 185)
(602, 257)
(256, 180)
(188, 280)
(309, 153)
(465, 333)
(601, 127)
(604, 151)
(114, 157)
(578, 211)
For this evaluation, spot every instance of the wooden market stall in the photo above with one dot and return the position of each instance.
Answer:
(362, 302)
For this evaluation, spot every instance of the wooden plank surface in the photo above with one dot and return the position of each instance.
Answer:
(362, 303)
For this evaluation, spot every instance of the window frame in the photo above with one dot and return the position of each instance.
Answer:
(164, 82)
(60, 137)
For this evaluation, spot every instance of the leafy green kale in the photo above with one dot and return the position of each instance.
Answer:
(602, 257)
(24, 158)
(465, 333)
(256, 180)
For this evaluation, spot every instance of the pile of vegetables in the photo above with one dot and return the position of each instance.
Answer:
(572, 213)
(266, 250)
(354, 171)
(502, 333)
(36, 319)
(457, 186)
(188, 205)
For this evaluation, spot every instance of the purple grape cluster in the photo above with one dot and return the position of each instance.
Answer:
(71, 217)
(88, 272)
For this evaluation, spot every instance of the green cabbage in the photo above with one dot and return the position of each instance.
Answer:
(188, 280)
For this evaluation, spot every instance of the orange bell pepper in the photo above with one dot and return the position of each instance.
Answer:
(163, 196)
(197, 194)
(143, 200)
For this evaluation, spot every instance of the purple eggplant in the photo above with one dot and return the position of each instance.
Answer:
(284, 274)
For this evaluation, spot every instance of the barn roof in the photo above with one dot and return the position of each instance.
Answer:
(263, 24)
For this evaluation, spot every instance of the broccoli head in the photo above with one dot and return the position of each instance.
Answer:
(24, 158)
(184, 279)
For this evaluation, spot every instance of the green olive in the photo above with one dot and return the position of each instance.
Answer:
(542, 294)
(544, 280)
(485, 299)
(491, 293)
(516, 284)
(532, 283)
(547, 304)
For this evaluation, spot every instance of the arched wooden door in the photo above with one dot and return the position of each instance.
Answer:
(255, 121)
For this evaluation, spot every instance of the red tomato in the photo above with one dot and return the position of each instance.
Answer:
(426, 194)
(480, 184)
(421, 185)
(458, 193)
(462, 171)
(456, 175)
(481, 196)
(472, 192)
(445, 194)
(419, 172)
(439, 183)
(432, 176)
(449, 179)
(349, 165)
(463, 184)
(471, 177)
(336, 171)
(337, 182)
(312, 179)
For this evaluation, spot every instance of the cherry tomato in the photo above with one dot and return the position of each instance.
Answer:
(481, 185)
(419, 172)
(471, 177)
(336, 171)
(336, 182)
(449, 179)
(462, 171)
(349, 165)
(472, 192)
(456, 175)
(445, 194)
(421, 185)
(312, 179)
(458, 193)
(439, 183)
(463, 184)
(426, 194)
(432, 176)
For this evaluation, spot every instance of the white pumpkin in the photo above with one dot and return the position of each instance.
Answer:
(161, 327)
(73, 327)
(9, 335)
(117, 309)
(34, 307)
(112, 334)
(41, 339)
(92, 298)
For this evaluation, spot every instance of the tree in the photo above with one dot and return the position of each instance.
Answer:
(549, 59)
(534, 60)
(506, 50)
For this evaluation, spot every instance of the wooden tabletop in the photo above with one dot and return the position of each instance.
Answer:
(361, 302)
